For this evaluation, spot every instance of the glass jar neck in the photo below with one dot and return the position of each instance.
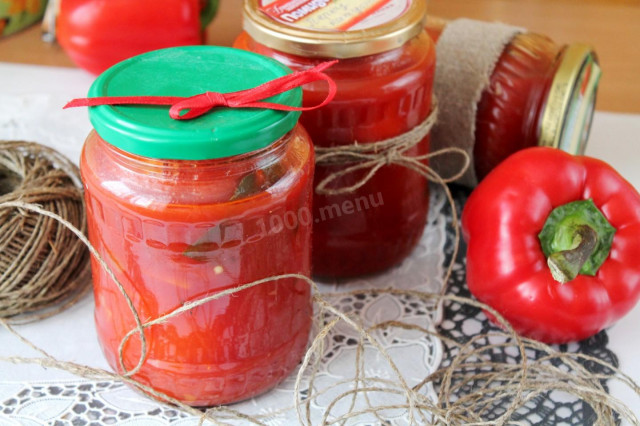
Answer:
(539, 93)
(197, 170)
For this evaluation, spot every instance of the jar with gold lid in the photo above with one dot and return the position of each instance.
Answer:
(384, 78)
(539, 92)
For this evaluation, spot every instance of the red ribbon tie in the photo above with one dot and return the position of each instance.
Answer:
(185, 108)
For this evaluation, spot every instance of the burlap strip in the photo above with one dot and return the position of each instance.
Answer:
(467, 53)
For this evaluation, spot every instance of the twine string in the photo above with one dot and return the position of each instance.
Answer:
(371, 157)
(81, 237)
(544, 374)
(43, 269)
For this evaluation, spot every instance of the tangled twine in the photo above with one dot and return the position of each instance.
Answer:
(518, 382)
(490, 382)
(41, 262)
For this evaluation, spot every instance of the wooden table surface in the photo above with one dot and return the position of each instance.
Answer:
(612, 26)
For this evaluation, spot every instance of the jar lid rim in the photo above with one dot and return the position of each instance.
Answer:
(186, 71)
(568, 111)
(331, 43)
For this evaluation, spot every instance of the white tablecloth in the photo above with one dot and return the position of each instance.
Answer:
(31, 98)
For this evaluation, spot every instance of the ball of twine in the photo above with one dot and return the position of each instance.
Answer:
(42, 264)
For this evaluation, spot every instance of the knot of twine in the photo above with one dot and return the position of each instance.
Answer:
(371, 157)
(185, 108)
(41, 262)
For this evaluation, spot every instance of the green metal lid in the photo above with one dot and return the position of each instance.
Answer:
(149, 131)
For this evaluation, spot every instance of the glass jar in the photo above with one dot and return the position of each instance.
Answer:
(384, 77)
(182, 209)
(540, 93)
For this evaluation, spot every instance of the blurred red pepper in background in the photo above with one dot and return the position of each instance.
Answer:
(99, 33)
(541, 204)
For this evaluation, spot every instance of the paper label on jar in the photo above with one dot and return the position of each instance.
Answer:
(335, 15)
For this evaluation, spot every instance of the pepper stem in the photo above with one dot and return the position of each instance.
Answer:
(565, 265)
(576, 240)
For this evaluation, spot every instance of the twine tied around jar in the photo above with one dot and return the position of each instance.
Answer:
(41, 262)
(371, 157)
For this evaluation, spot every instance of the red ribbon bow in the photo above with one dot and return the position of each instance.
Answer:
(198, 105)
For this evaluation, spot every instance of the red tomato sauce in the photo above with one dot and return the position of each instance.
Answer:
(379, 96)
(174, 231)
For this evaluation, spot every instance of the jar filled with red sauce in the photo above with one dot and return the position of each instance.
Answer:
(384, 77)
(183, 209)
(540, 93)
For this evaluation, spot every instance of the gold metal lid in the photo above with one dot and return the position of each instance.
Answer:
(333, 43)
(568, 113)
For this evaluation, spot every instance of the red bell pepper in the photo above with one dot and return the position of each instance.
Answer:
(99, 33)
(528, 238)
